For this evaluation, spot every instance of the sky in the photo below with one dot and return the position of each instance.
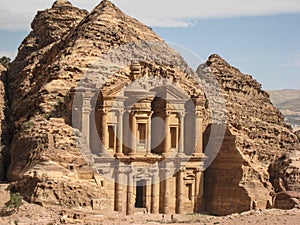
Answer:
(260, 37)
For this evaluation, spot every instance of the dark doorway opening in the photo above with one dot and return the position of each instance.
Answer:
(140, 201)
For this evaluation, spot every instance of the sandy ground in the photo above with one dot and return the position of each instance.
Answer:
(33, 214)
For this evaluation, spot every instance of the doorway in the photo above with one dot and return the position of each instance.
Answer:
(140, 201)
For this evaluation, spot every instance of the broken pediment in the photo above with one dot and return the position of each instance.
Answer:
(171, 93)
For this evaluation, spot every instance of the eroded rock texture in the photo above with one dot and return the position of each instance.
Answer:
(42, 149)
(2, 123)
(46, 163)
(238, 179)
(68, 45)
(48, 28)
(285, 176)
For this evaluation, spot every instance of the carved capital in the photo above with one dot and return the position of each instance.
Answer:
(125, 170)
(104, 171)
(181, 114)
(132, 112)
(198, 114)
(154, 171)
(198, 170)
(86, 110)
(120, 112)
(182, 169)
(104, 111)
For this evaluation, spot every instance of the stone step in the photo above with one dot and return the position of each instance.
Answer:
(140, 211)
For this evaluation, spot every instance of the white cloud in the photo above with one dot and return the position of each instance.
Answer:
(151, 11)
(165, 13)
(166, 22)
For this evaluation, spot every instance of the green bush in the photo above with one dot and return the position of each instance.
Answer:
(15, 200)
(5, 61)
(27, 125)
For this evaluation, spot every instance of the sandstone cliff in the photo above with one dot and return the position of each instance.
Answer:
(43, 155)
(45, 159)
(68, 46)
(48, 27)
(2, 124)
(238, 179)
(285, 176)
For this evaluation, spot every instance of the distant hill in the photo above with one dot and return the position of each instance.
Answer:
(288, 101)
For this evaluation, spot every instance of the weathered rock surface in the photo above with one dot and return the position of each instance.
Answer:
(4, 194)
(285, 176)
(287, 200)
(46, 162)
(48, 27)
(238, 179)
(68, 46)
(285, 171)
(34, 135)
(2, 123)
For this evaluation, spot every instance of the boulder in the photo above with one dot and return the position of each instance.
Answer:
(287, 200)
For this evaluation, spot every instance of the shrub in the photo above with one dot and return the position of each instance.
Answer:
(5, 61)
(27, 125)
(15, 200)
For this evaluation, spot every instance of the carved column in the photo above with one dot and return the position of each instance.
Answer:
(148, 139)
(134, 132)
(166, 193)
(198, 204)
(118, 191)
(86, 111)
(179, 193)
(130, 195)
(181, 138)
(104, 131)
(155, 193)
(198, 134)
(148, 195)
(167, 134)
(120, 133)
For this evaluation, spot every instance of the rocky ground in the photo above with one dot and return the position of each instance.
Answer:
(34, 214)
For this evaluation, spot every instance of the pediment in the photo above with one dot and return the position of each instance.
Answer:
(117, 90)
(171, 93)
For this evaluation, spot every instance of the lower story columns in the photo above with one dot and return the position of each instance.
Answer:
(166, 199)
(130, 195)
(198, 198)
(179, 192)
(118, 193)
(155, 194)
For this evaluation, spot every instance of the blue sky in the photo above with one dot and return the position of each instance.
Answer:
(267, 47)
(260, 37)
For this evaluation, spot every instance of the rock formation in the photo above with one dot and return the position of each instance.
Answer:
(2, 123)
(238, 179)
(45, 160)
(285, 176)
(48, 27)
(67, 47)
(42, 144)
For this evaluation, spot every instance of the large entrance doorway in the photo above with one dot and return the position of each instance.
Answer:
(140, 201)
